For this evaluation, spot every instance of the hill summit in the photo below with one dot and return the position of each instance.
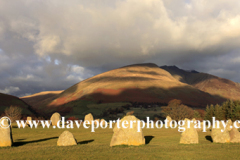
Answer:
(138, 83)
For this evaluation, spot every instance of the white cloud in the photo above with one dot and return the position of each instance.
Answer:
(223, 72)
(77, 69)
(9, 90)
(26, 78)
(74, 78)
(44, 43)
(93, 34)
(236, 59)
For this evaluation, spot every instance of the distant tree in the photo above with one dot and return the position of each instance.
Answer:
(174, 103)
(166, 110)
(237, 111)
(231, 110)
(207, 114)
(228, 110)
(218, 112)
(14, 113)
(177, 111)
(196, 114)
(181, 112)
(201, 112)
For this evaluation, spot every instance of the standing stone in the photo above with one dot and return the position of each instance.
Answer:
(66, 139)
(220, 135)
(197, 124)
(55, 118)
(233, 132)
(229, 125)
(190, 135)
(28, 119)
(5, 133)
(97, 120)
(194, 120)
(169, 121)
(234, 135)
(127, 136)
(103, 122)
(89, 117)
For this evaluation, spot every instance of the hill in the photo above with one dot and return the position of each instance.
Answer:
(205, 82)
(8, 100)
(140, 83)
(39, 97)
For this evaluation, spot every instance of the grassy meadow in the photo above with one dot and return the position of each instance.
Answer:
(161, 144)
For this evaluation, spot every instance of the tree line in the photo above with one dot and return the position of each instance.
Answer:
(227, 110)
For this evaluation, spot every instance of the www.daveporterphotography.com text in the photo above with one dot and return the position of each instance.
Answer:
(149, 124)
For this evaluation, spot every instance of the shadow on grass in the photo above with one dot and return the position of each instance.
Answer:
(148, 139)
(14, 126)
(86, 142)
(20, 139)
(26, 142)
(209, 138)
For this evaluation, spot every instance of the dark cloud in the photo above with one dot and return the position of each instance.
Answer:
(51, 45)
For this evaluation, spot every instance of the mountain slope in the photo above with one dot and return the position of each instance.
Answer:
(39, 97)
(143, 83)
(205, 82)
(8, 100)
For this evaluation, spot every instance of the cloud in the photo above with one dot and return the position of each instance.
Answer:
(9, 90)
(48, 42)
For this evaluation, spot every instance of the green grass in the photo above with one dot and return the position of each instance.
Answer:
(42, 144)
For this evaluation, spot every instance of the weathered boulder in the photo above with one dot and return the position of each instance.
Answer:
(66, 139)
(197, 124)
(190, 135)
(89, 117)
(229, 125)
(28, 119)
(55, 118)
(220, 135)
(103, 122)
(233, 132)
(97, 120)
(5, 133)
(169, 119)
(194, 120)
(128, 135)
(234, 135)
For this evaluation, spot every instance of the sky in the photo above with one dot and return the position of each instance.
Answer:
(53, 44)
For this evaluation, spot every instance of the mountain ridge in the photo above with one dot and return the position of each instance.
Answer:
(206, 82)
(140, 83)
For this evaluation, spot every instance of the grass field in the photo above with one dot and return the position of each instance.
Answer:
(162, 144)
